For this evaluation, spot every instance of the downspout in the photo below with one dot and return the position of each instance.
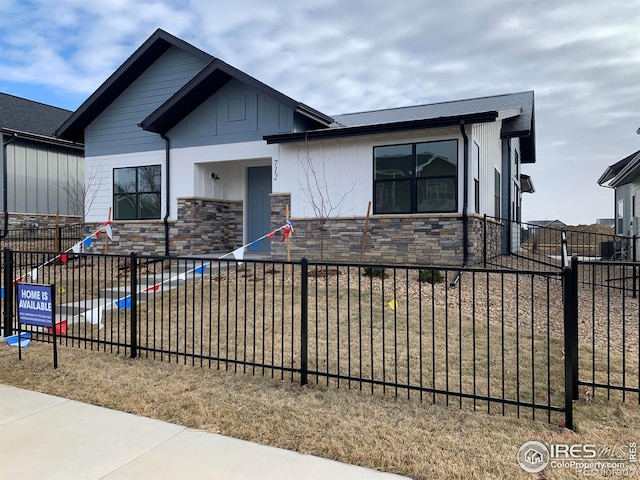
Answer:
(508, 182)
(465, 197)
(465, 204)
(5, 193)
(167, 143)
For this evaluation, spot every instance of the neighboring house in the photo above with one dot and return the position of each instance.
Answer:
(535, 225)
(41, 170)
(195, 156)
(624, 178)
(606, 222)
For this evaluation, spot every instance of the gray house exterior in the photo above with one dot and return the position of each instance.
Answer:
(194, 156)
(39, 169)
(624, 177)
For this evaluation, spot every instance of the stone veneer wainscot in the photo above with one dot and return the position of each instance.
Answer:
(419, 239)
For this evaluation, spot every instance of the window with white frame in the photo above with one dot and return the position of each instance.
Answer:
(620, 217)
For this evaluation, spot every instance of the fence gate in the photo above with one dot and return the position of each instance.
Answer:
(609, 329)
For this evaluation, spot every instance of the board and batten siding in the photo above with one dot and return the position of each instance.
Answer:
(237, 113)
(114, 139)
(346, 167)
(516, 194)
(487, 136)
(635, 196)
(625, 194)
(39, 177)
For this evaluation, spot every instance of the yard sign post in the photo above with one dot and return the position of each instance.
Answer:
(37, 306)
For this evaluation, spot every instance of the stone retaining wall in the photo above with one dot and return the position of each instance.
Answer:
(38, 220)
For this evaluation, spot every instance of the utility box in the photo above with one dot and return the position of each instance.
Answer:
(609, 249)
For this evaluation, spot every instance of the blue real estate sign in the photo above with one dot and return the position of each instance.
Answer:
(35, 304)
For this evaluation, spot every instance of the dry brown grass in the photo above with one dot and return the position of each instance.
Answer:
(402, 436)
(432, 339)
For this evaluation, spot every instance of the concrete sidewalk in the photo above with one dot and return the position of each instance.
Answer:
(46, 437)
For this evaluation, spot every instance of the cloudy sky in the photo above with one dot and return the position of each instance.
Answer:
(582, 58)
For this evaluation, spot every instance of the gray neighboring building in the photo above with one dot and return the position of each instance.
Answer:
(624, 177)
(45, 175)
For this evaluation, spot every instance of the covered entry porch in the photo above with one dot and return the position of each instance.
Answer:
(230, 208)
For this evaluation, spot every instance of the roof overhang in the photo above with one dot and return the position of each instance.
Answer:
(157, 44)
(526, 185)
(344, 132)
(41, 139)
(205, 84)
(509, 113)
(527, 144)
(630, 172)
(619, 172)
(606, 176)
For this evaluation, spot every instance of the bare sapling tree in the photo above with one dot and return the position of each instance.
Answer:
(81, 189)
(325, 200)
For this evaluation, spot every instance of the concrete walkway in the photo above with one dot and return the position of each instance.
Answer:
(47, 437)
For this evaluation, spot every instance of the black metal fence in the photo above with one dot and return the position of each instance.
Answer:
(493, 342)
(531, 246)
(54, 239)
(609, 328)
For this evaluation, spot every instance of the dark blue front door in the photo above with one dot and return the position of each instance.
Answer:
(258, 206)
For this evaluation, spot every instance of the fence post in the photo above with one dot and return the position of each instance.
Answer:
(484, 235)
(568, 371)
(574, 320)
(134, 305)
(8, 292)
(634, 271)
(304, 320)
(58, 239)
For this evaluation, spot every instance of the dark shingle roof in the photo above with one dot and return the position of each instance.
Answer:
(28, 116)
(474, 110)
(612, 171)
(519, 124)
(629, 173)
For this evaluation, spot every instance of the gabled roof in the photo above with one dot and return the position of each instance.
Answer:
(206, 83)
(474, 110)
(125, 75)
(620, 172)
(546, 223)
(26, 116)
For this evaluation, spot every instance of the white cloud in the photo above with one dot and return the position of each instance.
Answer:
(581, 58)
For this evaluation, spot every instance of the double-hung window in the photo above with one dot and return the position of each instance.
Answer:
(416, 177)
(136, 192)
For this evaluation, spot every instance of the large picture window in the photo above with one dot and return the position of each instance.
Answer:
(136, 192)
(416, 177)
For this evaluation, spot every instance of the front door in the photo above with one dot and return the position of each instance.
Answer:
(258, 206)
